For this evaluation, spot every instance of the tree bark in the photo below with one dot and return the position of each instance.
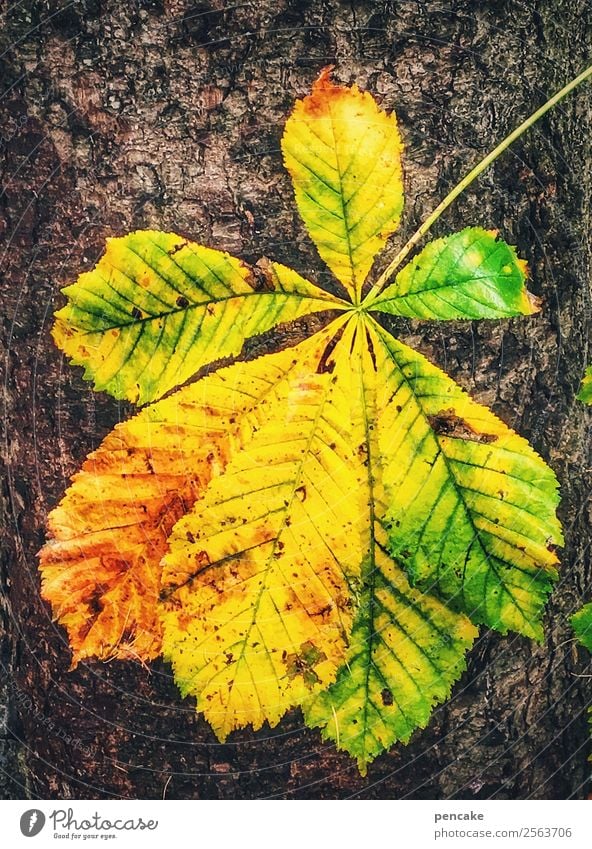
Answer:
(168, 115)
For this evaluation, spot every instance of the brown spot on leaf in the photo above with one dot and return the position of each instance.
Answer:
(95, 603)
(447, 423)
(260, 276)
(371, 349)
(326, 364)
(386, 697)
(303, 663)
(324, 611)
(177, 248)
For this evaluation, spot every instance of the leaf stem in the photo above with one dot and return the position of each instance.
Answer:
(468, 179)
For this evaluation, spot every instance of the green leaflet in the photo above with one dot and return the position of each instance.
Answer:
(471, 274)
(157, 308)
(581, 623)
(585, 393)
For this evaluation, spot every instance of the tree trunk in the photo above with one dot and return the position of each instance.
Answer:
(120, 116)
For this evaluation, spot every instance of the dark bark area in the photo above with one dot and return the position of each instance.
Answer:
(117, 116)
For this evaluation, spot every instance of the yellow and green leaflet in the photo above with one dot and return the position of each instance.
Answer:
(471, 506)
(324, 526)
(407, 648)
(344, 156)
(158, 307)
(585, 394)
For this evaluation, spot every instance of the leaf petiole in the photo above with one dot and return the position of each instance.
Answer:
(468, 179)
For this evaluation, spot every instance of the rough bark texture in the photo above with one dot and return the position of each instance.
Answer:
(168, 114)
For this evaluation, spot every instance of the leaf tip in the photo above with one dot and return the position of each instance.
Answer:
(531, 303)
(362, 767)
(324, 78)
(323, 90)
(534, 303)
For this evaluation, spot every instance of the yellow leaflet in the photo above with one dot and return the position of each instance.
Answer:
(261, 573)
(101, 569)
(344, 156)
(157, 307)
(407, 648)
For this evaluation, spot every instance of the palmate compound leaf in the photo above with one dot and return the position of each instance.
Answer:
(351, 514)
(157, 307)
